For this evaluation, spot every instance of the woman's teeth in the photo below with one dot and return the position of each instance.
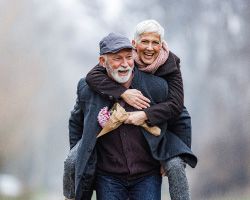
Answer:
(148, 54)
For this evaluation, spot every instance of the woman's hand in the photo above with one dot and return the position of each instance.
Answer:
(136, 118)
(135, 98)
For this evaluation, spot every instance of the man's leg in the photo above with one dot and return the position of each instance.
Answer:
(146, 188)
(177, 179)
(110, 188)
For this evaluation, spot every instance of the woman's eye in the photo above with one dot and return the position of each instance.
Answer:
(156, 43)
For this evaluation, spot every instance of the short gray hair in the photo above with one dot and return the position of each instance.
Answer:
(148, 26)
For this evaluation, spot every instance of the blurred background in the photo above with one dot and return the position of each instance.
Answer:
(46, 46)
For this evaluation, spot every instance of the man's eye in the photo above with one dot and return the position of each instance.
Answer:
(144, 42)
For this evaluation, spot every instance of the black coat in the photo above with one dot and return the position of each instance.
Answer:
(83, 126)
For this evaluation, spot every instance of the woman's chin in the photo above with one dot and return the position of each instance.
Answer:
(148, 61)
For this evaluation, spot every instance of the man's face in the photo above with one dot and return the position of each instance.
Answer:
(120, 65)
(148, 47)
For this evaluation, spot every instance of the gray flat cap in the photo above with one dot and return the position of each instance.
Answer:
(113, 43)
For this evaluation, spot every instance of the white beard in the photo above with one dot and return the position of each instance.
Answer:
(115, 74)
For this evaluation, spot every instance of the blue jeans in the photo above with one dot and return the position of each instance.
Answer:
(112, 188)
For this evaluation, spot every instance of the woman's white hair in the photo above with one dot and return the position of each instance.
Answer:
(148, 26)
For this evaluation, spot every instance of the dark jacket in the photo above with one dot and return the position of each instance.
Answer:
(83, 126)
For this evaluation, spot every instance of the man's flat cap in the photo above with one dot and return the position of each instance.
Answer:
(113, 43)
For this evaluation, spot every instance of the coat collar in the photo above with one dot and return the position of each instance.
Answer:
(171, 65)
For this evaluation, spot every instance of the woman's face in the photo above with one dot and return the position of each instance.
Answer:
(148, 47)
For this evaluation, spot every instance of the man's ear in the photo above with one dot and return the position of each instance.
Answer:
(134, 43)
(102, 61)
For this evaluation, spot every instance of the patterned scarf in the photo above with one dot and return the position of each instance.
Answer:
(160, 60)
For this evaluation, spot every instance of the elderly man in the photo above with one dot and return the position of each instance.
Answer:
(124, 163)
(119, 163)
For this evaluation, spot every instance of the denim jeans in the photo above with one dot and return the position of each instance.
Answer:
(112, 188)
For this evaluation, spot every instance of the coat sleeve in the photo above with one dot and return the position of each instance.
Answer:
(76, 121)
(173, 106)
(99, 81)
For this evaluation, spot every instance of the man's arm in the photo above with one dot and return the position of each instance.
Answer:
(76, 122)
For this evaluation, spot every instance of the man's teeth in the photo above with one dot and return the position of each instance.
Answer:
(122, 71)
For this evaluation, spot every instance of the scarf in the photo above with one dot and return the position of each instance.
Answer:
(160, 60)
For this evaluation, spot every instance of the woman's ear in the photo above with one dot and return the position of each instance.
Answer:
(134, 44)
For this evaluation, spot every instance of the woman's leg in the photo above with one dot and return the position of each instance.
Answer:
(69, 174)
(177, 179)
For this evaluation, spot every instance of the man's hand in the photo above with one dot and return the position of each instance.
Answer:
(136, 118)
(135, 98)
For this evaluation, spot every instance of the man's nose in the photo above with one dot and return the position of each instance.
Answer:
(125, 63)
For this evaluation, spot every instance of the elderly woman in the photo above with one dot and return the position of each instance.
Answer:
(151, 55)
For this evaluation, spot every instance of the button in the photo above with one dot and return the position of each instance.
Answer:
(111, 98)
